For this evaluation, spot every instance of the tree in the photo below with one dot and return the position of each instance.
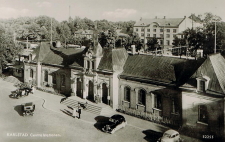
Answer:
(152, 44)
(8, 49)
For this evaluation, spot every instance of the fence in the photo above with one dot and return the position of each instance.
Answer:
(149, 117)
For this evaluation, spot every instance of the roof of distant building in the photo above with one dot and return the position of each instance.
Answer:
(168, 22)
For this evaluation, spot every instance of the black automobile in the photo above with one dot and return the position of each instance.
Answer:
(28, 109)
(115, 123)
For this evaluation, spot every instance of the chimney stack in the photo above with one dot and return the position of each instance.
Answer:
(155, 17)
(164, 17)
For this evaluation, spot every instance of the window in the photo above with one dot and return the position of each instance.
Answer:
(202, 114)
(167, 30)
(154, 30)
(46, 76)
(141, 97)
(127, 94)
(161, 35)
(161, 30)
(201, 85)
(167, 35)
(31, 73)
(53, 78)
(168, 42)
(174, 30)
(93, 65)
(142, 29)
(174, 36)
(148, 30)
(142, 34)
(63, 80)
(175, 106)
(148, 35)
(137, 30)
(161, 42)
(154, 35)
(158, 101)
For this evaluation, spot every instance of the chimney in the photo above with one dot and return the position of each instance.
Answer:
(133, 50)
(164, 17)
(141, 19)
(184, 17)
(155, 17)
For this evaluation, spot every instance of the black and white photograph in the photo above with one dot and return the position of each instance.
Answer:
(112, 70)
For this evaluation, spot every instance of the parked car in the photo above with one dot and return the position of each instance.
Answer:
(115, 123)
(170, 136)
(28, 108)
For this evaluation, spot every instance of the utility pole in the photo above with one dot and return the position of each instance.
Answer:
(215, 39)
(51, 32)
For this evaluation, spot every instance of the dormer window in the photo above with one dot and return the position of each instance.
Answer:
(202, 83)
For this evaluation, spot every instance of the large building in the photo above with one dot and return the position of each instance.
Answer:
(164, 29)
(173, 91)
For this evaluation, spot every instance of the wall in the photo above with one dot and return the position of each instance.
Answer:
(215, 110)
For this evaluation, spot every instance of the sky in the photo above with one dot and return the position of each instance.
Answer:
(111, 10)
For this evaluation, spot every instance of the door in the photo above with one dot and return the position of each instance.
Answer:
(91, 91)
(104, 93)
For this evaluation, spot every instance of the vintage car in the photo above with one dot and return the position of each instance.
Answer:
(115, 123)
(170, 136)
(28, 108)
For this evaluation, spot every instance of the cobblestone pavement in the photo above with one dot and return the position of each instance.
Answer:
(51, 118)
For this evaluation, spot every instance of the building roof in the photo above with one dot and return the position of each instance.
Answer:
(214, 69)
(162, 69)
(168, 22)
(113, 59)
(41, 51)
(47, 54)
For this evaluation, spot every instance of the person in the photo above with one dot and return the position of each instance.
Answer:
(79, 112)
(74, 114)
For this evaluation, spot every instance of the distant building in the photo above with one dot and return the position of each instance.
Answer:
(84, 33)
(164, 29)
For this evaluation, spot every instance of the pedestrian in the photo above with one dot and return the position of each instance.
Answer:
(74, 114)
(79, 112)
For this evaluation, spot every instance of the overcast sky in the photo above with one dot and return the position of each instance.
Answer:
(112, 10)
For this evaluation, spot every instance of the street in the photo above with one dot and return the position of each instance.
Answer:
(47, 125)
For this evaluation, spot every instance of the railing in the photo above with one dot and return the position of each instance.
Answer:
(149, 116)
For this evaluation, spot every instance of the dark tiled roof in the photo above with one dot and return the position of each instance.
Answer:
(113, 59)
(173, 22)
(160, 68)
(59, 56)
(41, 51)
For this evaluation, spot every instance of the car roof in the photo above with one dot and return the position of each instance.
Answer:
(170, 132)
(29, 104)
(117, 116)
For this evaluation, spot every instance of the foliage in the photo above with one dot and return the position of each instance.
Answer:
(152, 44)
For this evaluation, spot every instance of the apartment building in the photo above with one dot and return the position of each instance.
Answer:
(164, 29)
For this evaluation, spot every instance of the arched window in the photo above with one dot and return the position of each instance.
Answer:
(141, 97)
(127, 94)
(46, 76)
(53, 78)
(63, 80)
(31, 73)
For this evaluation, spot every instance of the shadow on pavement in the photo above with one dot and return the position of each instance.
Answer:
(18, 108)
(100, 122)
(12, 96)
(63, 99)
(151, 135)
(66, 112)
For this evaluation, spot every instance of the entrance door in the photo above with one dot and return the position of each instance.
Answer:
(90, 91)
(104, 93)
(79, 88)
